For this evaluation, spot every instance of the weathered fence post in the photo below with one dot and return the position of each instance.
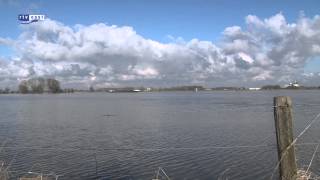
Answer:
(284, 132)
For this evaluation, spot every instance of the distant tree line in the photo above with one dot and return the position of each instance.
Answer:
(6, 91)
(51, 85)
(69, 90)
(269, 87)
(39, 85)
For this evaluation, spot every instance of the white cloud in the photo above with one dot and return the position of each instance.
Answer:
(6, 41)
(148, 72)
(245, 57)
(264, 51)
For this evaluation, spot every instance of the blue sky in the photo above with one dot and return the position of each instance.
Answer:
(202, 19)
(157, 20)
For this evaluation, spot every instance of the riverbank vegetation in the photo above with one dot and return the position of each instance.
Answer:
(39, 85)
(50, 85)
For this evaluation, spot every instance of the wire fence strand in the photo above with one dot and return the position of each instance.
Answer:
(293, 142)
(313, 155)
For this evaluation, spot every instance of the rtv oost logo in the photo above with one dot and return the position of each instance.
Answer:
(30, 18)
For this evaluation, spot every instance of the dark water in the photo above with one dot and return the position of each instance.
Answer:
(128, 136)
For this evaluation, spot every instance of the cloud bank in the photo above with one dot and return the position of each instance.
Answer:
(264, 51)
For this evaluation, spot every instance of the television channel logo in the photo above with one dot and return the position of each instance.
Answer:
(30, 18)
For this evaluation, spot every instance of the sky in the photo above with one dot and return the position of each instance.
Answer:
(161, 43)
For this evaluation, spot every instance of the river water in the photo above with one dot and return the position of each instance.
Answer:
(203, 135)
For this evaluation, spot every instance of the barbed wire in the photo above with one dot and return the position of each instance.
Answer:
(307, 105)
(140, 149)
(313, 155)
(293, 142)
(3, 144)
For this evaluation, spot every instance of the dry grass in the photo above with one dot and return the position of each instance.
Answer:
(34, 178)
(303, 175)
(4, 175)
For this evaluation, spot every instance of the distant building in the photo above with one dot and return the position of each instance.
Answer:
(254, 89)
(148, 89)
(295, 84)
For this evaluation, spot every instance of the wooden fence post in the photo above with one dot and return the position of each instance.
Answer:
(284, 132)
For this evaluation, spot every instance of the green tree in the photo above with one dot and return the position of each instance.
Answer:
(269, 87)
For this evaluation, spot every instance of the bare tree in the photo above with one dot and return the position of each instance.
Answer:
(53, 85)
(37, 85)
(23, 87)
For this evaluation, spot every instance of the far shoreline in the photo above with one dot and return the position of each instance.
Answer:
(159, 91)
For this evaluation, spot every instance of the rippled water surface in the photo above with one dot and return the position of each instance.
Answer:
(130, 135)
